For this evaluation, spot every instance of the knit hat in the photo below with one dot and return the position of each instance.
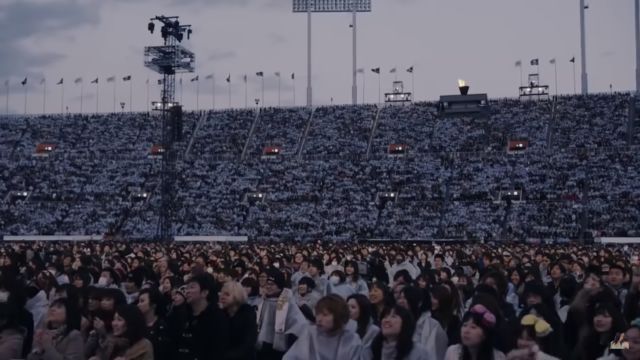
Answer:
(182, 290)
(276, 277)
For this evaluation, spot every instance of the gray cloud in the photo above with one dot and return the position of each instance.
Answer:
(23, 20)
(222, 55)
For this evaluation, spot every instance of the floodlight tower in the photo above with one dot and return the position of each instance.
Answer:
(583, 48)
(169, 59)
(331, 6)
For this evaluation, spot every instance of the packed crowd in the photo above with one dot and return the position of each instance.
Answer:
(338, 301)
(577, 176)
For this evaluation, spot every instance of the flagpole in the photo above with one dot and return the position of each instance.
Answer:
(262, 95)
(413, 85)
(148, 94)
(25, 98)
(379, 89)
(198, 94)
(62, 98)
(81, 95)
(7, 84)
(521, 76)
(181, 92)
(363, 83)
(229, 90)
(354, 90)
(114, 95)
(97, 96)
(574, 77)
(213, 91)
(278, 90)
(44, 96)
(246, 92)
(130, 95)
(294, 90)
(555, 67)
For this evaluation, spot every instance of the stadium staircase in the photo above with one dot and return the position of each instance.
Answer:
(251, 132)
(201, 120)
(305, 133)
(373, 131)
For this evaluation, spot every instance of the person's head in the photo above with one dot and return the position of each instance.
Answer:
(200, 288)
(607, 318)
(306, 285)
(332, 314)
(151, 301)
(534, 293)
(438, 261)
(496, 280)
(129, 323)
(250, 286)
(379, 294)
(616, 275)
(396, 325)
(179, 296)
(477, 331)
(442, 303)
(360, 311)
(63, 312)
(556, 271)
(402, 277)
(275, 283)
(592, 281)
(315, 267)
(417, 301)
(534, 331)
(111, 299)
(108, 277)
(516, 277)
(232, 295)
(632, 337)
(351, 270)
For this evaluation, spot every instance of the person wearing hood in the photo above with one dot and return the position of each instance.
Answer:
(402, 264)
(338, 285)
(242, 322)
(305, 296)
(329, 338)
(279, 319)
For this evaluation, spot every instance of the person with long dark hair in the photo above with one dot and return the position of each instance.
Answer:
(605, 321)
(428, 331)
(61, 338)
(380, 297)
(442, 309)
(360, 311)
(354, 280)
(128, 341)
(395, 342)
(476, 337)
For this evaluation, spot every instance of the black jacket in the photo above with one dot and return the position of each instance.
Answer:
(161, 340)
(243, 334)
(204, 337)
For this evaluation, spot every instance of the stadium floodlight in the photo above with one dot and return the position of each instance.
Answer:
(151, 26)
(583, 48)
(331, 6)
(463, 87)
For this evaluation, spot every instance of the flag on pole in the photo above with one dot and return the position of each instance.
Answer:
(293, 76)
(552, 61)
(534, 62)
(245, 78)
(77, 80)
(61, 81)
(277, 73)
(111, 79)
(392, 71)
(376, 70)
(126, 78)
(24, 82)
(260, 74)
(573, 59)
(360, 71)
(95, 81)
(197, 78)
(42, 81)
(229, 78)
(410, 70)
(209, 77)
(518, 63)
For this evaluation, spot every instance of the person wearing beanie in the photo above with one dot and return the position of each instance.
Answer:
(279, 319)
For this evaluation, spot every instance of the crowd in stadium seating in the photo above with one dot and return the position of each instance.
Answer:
(319, 300)
(577, 176)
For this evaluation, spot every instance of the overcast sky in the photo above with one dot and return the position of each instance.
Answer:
(444, 40)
